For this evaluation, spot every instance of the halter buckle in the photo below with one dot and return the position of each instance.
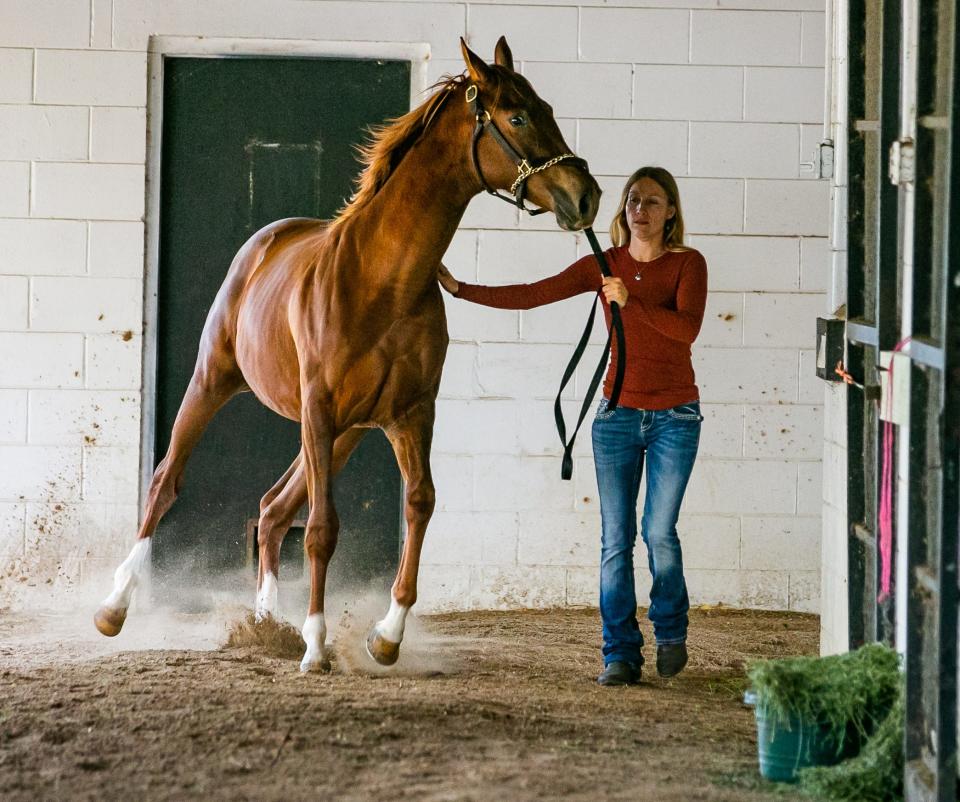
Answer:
(471, 94)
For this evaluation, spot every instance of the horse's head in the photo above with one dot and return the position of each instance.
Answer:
(524, 151)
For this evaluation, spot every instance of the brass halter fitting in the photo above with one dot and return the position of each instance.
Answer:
(524, 170)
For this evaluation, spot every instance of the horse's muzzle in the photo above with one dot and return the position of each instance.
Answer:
(576, 206)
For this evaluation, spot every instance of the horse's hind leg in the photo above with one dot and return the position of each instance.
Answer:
(204, 397)
(278, 508)
(411, 440)
(277, 511)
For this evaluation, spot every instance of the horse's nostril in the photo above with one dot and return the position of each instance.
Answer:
(584, 206)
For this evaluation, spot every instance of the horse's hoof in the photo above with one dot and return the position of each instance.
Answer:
(109, 620)
(381, 650)
(321, 666)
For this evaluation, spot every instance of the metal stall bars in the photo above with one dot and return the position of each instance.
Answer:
(873, 279)
(934, 415)
(904, 266)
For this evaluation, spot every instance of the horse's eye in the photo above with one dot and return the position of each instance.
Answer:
(518, 120)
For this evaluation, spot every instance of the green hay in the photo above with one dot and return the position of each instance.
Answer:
(853, 690)
(875, 775)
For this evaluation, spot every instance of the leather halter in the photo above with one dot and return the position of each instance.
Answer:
(524, 167)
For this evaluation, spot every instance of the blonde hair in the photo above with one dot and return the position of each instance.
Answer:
(672, 229)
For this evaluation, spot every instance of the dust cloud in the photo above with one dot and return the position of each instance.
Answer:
(172, 613)
(422, 654)
(55, 624)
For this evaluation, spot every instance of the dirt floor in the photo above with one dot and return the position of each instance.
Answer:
(482, 706)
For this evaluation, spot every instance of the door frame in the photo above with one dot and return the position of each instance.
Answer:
(160, 47)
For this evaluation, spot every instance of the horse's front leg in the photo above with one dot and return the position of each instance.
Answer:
(411, 439)
(322, 526)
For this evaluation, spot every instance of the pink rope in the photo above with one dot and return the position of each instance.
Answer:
(886, 512)
(886, 486)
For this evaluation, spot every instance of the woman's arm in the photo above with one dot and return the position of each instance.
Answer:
(581, 276)
(683, 324)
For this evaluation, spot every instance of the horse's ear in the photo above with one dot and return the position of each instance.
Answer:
(502, 54)
(477, 68)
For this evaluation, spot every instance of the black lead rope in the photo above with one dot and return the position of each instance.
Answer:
(566, 468)
(484, 122)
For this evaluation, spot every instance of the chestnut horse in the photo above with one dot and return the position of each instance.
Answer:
(340, 324)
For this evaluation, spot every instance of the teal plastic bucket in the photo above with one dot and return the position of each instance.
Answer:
(785, 747)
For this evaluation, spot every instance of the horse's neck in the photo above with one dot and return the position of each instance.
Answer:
(409, 223)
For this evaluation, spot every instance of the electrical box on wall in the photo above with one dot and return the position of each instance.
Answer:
(830, 336)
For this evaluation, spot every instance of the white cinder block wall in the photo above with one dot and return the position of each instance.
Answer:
(728, 98)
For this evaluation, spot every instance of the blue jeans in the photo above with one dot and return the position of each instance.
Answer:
(623, 440)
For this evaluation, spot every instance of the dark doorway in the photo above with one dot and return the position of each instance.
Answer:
(247, 141)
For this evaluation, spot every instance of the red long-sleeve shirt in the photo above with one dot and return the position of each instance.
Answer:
(661, 319)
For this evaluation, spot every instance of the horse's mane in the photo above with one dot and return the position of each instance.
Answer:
(389, 143)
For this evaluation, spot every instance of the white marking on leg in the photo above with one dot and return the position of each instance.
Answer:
(267, 597)
(128, 575)
(391, 626)
(314, 634)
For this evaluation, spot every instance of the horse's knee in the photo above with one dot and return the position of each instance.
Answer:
(320, 541)
(421, 501)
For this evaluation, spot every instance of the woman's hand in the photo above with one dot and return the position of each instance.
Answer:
(614, 290)
(448, 282)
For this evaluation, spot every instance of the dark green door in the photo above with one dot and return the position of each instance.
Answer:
(247, 141)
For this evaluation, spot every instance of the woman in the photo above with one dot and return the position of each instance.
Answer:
(661, 287)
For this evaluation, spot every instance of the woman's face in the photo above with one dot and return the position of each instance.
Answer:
(647, 210)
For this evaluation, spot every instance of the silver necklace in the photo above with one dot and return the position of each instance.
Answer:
(640, 265)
